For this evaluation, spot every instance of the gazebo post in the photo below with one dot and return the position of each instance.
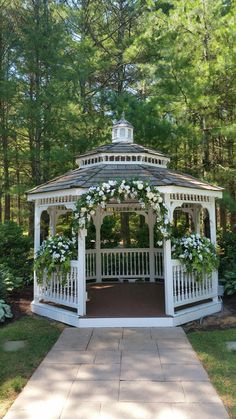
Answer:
(37, 219)
(168, 280)
(212, 218)
(97, 223)
(52, 220)
(81, 284)
(151, 224)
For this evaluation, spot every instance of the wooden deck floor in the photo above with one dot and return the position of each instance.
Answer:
(126, 300)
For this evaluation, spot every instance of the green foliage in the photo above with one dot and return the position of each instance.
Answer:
(65, 75)
(229, 281)
(8, 281)
(5, 311)
(14, 253)
(54, 256)
(227, 268)
(227, 244)
(196, 253)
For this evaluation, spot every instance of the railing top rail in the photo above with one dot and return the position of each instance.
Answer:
(124, 250)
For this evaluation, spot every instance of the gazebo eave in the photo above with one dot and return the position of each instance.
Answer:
(171, 189)
(56, 193)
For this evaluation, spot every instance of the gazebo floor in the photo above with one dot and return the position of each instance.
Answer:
(126, 300)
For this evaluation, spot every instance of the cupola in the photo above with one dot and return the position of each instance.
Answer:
(122, 131)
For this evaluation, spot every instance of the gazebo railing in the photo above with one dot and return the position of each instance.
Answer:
(187, 289)
(115, 264)
(66, 294)
(124, 263)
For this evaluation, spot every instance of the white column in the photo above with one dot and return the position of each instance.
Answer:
(196, 218)
(81, 284)
(52, 221)
(212, 218)
(97, 219)
(37, 218)
(151, 224)
(168, 276)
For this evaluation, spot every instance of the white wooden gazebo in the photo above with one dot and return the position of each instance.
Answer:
(185, 298)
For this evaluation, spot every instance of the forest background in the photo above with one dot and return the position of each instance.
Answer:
(69, 68)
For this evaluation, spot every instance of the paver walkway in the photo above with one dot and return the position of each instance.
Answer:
(119, 374)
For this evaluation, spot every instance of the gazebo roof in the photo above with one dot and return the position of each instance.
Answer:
(90, 176)
(122, 159)
(122, 148)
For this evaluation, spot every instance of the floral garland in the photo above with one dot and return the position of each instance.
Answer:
(121, 190)
(54, 255)
(197, 253)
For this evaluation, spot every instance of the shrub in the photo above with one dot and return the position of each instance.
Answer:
(5, 311)
(15, 251)
(229, 281)
(227, 243)
(8, 281)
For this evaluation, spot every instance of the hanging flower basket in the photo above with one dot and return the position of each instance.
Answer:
(196, 253)
(54, 256)
(120, 190)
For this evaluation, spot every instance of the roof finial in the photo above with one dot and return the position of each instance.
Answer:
(123, 115)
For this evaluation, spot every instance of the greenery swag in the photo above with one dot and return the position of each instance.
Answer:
(120, 190)
(197, 253)
(54, 256)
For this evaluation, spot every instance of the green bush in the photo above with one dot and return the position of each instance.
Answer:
(8, 281)
(5, 311)
(229, 281)
(227, 269)
(15, 252)
(227, 244)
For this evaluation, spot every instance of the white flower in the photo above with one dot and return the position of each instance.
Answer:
(159, 243)
(150, 195)
(83, 209)
(55, 255)
(101, 193)
(140, 186)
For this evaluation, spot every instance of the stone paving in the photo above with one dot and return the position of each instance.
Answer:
(120, 373)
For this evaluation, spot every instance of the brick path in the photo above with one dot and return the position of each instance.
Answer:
(121, 373)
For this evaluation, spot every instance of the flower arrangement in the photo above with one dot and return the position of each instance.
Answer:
(197, 253)
(121, 190)
(54, 255)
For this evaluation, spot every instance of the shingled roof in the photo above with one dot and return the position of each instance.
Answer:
(121, 148)
(91, 176)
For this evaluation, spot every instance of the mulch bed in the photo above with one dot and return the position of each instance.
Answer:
(20, 302)
(20, 305)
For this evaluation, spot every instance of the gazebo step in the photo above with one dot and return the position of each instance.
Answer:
(126, 322)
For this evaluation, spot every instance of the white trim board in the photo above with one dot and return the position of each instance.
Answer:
(72, 319)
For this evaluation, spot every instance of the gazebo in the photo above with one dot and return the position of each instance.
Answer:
(183, 297)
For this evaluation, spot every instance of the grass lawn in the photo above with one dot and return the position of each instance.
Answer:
(219, 363)
(18, 366)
